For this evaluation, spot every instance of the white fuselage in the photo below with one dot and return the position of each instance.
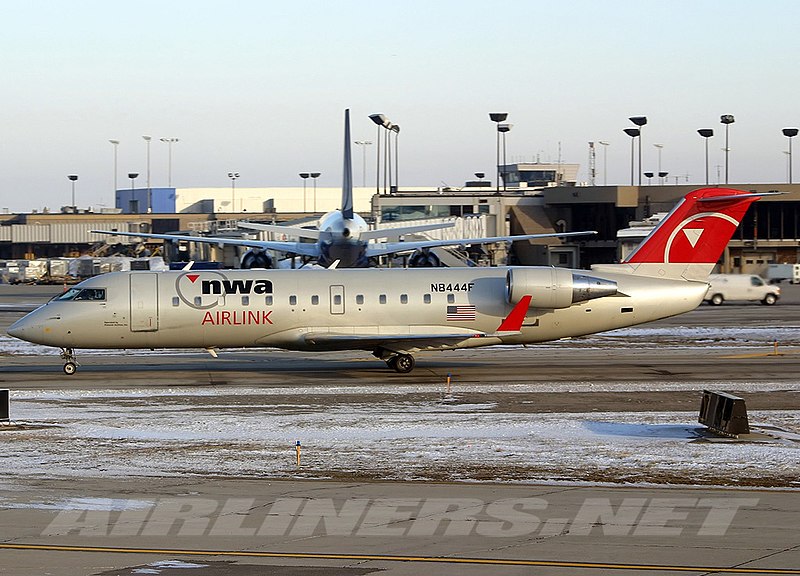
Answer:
(335, 309)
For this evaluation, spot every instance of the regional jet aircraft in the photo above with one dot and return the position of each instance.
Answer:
(341, 236)
(395, 313)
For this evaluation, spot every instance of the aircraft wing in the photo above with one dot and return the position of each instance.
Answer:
(401, 230)
(398, 341)
(418, 336)
(278, 229)
(300, 248)
(380, 249)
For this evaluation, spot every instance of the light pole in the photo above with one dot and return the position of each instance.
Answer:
(639, 121)
(314, 176)
(659, 147)
(115, 143)
(133, 176)
(706, 133)
(233, 176)
(381, 121)
(649, 176)
(790, 133)
(504, 129)
(363, 144)
(605, 161)
(73, 178)
(170, 142)
(662, 177)
(633, 133)
(498, 117)
(304, 176)
(396, 129)
(726, 119)
(149, 198)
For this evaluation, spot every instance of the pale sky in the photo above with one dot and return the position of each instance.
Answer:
(260, 87)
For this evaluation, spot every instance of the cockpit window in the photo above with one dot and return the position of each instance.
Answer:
(86, 294)
(68, 295)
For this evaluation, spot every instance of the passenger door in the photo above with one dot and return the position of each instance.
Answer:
(144, 302)
(337, 299)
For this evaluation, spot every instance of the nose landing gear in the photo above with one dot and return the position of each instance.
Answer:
(70, 361)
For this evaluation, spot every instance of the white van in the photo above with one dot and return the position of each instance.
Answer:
(740, 287)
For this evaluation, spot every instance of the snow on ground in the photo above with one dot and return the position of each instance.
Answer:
(395, 436)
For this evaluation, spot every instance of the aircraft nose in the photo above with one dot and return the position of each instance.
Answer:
(17, 329)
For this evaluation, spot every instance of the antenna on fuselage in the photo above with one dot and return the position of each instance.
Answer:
(347, 177)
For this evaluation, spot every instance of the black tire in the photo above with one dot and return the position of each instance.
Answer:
(716, 300)
(403, 363)
(70, 368)
(769, 299)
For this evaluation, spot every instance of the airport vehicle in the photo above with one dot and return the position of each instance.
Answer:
(395, 313)
(341, 237)
(728, 287)
(777, 273)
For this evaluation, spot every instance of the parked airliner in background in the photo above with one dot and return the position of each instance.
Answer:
(395, 313)
(341, 236)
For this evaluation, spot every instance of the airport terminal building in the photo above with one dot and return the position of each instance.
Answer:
(769, 233)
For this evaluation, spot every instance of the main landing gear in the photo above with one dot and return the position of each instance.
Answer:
(70, 361)
(402, 363)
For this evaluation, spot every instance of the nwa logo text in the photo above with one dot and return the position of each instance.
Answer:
(207, 290)
(235, 286)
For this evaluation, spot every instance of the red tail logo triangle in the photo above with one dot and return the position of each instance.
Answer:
(193, 277)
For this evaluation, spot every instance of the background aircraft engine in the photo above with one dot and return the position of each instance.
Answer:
(256, 259)
(424, 258)
(555, 287)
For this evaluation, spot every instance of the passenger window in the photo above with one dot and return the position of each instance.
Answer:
(245, 300)
(176, 301)
(315, 300)
(426, 298)
(451, 298)
(756, 281)
(403, 298)
(198, 300)
(360, 299)
(268, 300)
(292, 300)
(382, 298)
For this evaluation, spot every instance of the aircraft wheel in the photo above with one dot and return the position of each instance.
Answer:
(404, 363)
(70, 368)
(717, 299)
(769, 299)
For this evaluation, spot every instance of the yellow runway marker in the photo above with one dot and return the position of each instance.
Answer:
(390, 558)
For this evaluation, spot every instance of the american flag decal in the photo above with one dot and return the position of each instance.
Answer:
(459, 313)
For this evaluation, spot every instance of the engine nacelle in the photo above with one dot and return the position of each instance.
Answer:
(555, 287)
(424, 258)
(255, 258)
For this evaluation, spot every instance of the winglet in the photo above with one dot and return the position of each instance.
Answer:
(513, 322)
(347, 178)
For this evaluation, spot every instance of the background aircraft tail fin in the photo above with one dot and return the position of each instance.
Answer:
(690, 240)
(347, 179)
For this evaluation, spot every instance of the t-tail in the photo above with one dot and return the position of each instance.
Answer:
(690, 240)
(347, 178)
